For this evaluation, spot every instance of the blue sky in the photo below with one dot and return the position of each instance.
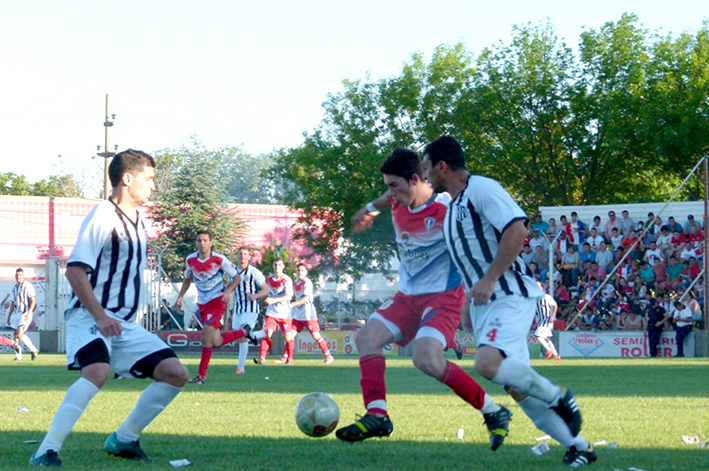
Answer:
(234, 72)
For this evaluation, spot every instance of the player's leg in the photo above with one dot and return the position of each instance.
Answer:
(26, 340)
(269, 328)
(88, 351)
(209, 335)
(6, 341)
(240, 321)
(552, 348)
(314, 329)
(289, 334)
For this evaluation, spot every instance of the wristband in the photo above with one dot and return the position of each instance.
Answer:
(372, 209)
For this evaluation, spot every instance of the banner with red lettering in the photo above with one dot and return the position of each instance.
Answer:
(340, 342)
(619, 345)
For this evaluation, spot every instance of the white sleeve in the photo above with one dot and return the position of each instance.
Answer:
(489, 198)
(308, 291)
(259, 278)
(188, 271)
(228, 267)
(93, 236)
(30, 291)
(289, 286)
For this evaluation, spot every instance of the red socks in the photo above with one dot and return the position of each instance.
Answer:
(463, 385)
(290, 349)
(322, 343)
(373, 385)
(265, 345)
(229, 337)
(204, 361)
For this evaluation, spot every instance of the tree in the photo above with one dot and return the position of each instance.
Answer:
(247, 183)
(54, 185)
(191, 195)
(14, 184)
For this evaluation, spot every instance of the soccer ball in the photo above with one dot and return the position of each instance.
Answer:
(317, 414)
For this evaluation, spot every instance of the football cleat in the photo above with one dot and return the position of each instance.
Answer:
(130, 450)
(329, 359)
(34, 355)
(557, 357)
(283, 361)
(498, 424)
(366, 427)
(569, 411)
(198, 380)
(259, 360)
(549, 355)
(239, 371)
(458, 350)
(50, 459)
(575, 458)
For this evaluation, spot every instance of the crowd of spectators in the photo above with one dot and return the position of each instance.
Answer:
(649, 262)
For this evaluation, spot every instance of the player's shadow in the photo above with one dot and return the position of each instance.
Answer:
(84, 451)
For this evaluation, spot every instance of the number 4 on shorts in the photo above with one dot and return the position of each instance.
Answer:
(492, 335)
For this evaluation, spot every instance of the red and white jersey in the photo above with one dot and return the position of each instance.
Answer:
(306, 311)
(208, 274)
(282, 286)
(425, 263)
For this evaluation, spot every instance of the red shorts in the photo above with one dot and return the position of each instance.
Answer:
(272, 322)
(440, 311)
(312, 325)
(211, 313)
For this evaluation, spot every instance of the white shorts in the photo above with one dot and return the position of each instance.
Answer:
(244, 318)
(16, 321)
(504, 324)
(543, 332)
(125, 350)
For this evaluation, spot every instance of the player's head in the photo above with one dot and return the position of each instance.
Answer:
(204, 242)
(301, 270)
(135, 170)
(441, 158)
(243, 254)
(278, 266)
(19, 275)
(402, 175)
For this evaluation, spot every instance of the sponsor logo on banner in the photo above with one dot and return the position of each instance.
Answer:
(632, 344)
(586, 344)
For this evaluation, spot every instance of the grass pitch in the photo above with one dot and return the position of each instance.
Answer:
(247, 422)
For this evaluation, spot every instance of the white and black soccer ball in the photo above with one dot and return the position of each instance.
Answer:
(317, 414)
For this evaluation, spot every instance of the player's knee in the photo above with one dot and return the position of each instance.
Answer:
(428, 363)
(171, 371)
(96, 373)
(487, 370)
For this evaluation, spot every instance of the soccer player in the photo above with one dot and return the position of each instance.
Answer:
(484, 230)
(278, 313)
(19, 317)
(303, 311)
(105, 271)
(426, 308)
(246, 306)
(206, 269)
(545, 314)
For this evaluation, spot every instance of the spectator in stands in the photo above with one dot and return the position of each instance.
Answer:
(534, 272)
(651, 225)
(663, 241)
(570, 266)
(674, 275)
(576, 230)
(653, 253)
(611, 223)
(634, 321)
(595, 272)
(674, 226)
(677, 243)
(527, 254)
(647, 275)
(639, 290)
(661, 279)
(626, 223)
(604, 256)
(562, 244)
(695, 235)
(537, 239)
(616, 238)
(624, 271)
(552, 230)
(688, 251)
(634, 244)
(694, 269)
(541, 258)
(597, 225)
(690, 224)
(594, 239)
(561, 294)
(589, 321)
(587, 255)
(587, 294)
(682, 319)
(693, 305)
(540, 224)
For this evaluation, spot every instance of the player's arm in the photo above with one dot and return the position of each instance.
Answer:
(510, 246)
(364, 218)
(231, 287)
(33, 304)
(287, 296)
(262, 293)
(552, 318)
(300, 302)
(185, 286)
(10, 311)
(80, 284)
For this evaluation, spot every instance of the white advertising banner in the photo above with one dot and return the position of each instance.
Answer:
(34, 337)
(619, 345)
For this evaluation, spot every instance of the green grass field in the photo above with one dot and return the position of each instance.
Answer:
(247, 422)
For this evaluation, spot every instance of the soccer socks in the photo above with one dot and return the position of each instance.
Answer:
(75, 401)
(204, 361)
(263, 350)
(544, 343)
(28, 343)
(519, 375)
(232, 335)
(463, 385)
(290, 349)
(243, 353)
(551, 423)
(153, 401)
(322, 343)
(372, 368)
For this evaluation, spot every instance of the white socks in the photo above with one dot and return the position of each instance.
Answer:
(489, 405)
(26, 340)
(519, 375)
(243, 353)
(551, 423)
(153, 401)
(75, 401)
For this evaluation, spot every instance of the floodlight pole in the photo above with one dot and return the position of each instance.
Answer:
(107, 123)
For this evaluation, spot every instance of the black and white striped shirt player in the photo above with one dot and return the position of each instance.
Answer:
(246, 311)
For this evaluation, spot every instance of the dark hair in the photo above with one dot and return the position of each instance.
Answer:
(209, 234)
(279, 259)
(301, 264)
(128, 161)
(403, 163)
(448, 150)
(574, 213)
(596, 217)
(19, 270)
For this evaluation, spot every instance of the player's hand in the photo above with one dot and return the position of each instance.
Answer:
(178, 302)
(362, 220)
(251, 297)
(481, 292)
(465, 321)
(268, 301)
(225, 297)
(109, 326)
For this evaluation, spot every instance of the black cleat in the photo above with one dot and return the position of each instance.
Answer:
(130, 450)
(34, 355)
(366, 427)
(569, 411)
(50, 460)
(197, 380)
(498, 424)
(249, 335)
(259, 360)
(575, 459)
(458, 350)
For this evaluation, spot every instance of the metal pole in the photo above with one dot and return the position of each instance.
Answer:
(106, 180)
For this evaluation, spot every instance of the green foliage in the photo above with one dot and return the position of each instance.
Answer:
(191, 195)
(54, 185)
(274, 251)
(246, 181)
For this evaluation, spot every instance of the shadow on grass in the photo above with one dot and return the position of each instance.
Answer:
(84, 451)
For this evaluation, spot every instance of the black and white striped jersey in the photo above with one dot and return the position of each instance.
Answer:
(474, 224)
(545, 308)
(251, 282)
(113, 250)
(21, 295)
